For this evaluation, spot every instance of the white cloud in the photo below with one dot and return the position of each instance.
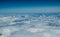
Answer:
(35, 27)
(8, 20)
(6, 31)
(34, 30)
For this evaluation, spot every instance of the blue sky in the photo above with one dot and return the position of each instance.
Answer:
(18, 6)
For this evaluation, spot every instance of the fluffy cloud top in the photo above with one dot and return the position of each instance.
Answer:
(30, 26)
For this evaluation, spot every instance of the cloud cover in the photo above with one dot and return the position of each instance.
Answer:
(42, 26)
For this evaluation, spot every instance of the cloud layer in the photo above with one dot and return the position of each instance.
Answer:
(30, 26)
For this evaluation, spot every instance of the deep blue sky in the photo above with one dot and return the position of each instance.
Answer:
(14, 4)
(28, 3)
